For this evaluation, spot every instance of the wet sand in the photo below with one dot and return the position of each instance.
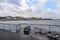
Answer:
(6, 35)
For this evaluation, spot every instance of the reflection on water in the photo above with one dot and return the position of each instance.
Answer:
(16, 25)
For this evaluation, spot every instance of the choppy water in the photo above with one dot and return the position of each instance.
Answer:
(16, 24)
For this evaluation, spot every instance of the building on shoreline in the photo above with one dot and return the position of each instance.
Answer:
(22, 18)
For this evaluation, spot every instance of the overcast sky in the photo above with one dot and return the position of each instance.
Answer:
(30, 8)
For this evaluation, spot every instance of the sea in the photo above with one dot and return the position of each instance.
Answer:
(50, 25)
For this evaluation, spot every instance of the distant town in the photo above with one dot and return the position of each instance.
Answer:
(22, 18)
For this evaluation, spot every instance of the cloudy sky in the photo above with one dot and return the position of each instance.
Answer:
(30, 8)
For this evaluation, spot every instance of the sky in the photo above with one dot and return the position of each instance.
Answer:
(30, 8)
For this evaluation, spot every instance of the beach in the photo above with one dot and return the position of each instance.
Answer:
(6, 35)
(8, 29)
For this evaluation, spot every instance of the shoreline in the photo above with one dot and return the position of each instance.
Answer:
(29, 20)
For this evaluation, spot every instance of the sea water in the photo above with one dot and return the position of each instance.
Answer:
(15, 25)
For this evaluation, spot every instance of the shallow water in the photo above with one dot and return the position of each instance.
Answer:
(15, 25)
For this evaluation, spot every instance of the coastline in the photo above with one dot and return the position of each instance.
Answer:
(29, 20)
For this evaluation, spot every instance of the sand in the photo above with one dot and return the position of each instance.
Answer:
(7, 35)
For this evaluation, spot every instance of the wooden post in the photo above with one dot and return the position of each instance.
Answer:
(3, 26)
(9, 27)
(49, 28)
